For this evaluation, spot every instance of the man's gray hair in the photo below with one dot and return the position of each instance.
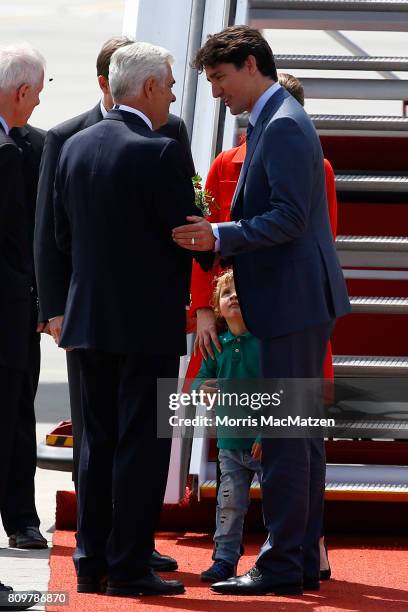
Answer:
(19, 65)
(132, 65)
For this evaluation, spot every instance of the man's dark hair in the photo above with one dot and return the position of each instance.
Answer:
(232, 46)
(293, 86)
(108, 49)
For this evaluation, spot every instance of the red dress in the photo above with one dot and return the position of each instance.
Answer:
(221, 182)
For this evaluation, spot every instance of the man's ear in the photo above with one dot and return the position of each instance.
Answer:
(251, 64)
(103, 84)
(149, 87)
(21, 92)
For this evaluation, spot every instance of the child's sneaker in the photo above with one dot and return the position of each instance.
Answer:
(220, 570)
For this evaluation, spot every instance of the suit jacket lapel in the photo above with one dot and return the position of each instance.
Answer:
(268, 110)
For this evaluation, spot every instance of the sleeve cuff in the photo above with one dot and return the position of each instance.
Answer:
(216, 232)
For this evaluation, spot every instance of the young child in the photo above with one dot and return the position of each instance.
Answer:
(238, 457)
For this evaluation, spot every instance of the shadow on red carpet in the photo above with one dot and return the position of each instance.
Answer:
(370, 574)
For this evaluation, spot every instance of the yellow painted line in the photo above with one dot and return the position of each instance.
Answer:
(61, 441)
(208, 492)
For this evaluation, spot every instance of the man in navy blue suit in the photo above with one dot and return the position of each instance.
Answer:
(120, 187)
(289, 284)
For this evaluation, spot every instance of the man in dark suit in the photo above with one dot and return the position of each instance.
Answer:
(21, 81)
(289, 284)
(120, 188)
(18, 511)
(53, 268)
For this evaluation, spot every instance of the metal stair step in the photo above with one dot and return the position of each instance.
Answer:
(367, 482)
(350, 123)
(370, 428)
(345, 123)
(379, 305)
(349, 483)
(373, 251)
(396, 244)
(341, 62)
(371, 182)
(332, 5)
(361, 15)
(355, 89)
(363, 366)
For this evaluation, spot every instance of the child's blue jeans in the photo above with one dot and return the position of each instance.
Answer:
(237, 471)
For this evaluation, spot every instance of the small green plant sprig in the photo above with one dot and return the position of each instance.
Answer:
(203, 199)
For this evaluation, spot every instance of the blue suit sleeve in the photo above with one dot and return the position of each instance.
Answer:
(287, 159)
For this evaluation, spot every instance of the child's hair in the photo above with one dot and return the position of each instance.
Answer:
(293, 86)
(225, 279)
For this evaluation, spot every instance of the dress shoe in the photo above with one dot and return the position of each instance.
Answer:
(325, 574)
(256, 583)
(162, 563)
(28, 537)
(150, 584)
(311, 584)
(6, 598)
(220, 570)
(91, 584)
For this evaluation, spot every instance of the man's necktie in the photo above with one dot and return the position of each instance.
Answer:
(250, 129)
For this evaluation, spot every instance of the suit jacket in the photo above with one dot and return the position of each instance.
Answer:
(119, 191)
(286, 269)
(15, 278)
(30, 141)
(53, 268)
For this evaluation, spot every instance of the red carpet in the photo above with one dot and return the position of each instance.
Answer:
(370, 574)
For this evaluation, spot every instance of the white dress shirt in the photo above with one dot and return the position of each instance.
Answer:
(103, 110)
(129, 109)
(5, 126)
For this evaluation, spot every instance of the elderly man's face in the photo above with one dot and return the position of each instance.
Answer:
(28, 97)
(163, 97)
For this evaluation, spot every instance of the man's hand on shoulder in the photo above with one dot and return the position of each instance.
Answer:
(196, 236)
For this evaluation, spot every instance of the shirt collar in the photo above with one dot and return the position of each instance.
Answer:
(228, 336)
(130, 109)
(103, 110)
(260, 103)
(5, 126)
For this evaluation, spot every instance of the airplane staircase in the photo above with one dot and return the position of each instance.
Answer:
(368, 457)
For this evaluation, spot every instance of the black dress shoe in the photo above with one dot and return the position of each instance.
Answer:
(150, 584)
(311, 584)
(7, 598)
(28, 537)
(255, 583)
(162, 563)
(91, 584)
